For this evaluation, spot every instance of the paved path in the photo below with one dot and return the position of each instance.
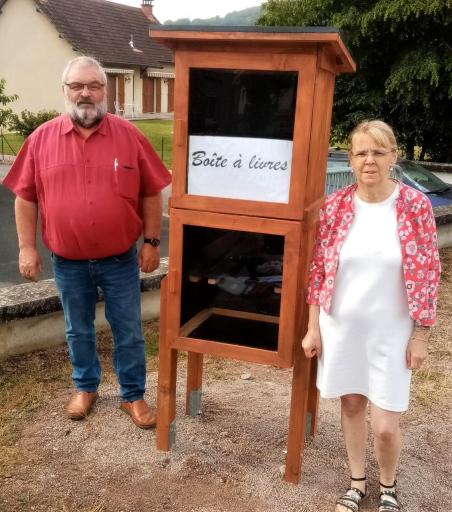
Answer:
(9, 273)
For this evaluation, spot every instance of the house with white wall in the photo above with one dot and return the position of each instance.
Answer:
(38, 37)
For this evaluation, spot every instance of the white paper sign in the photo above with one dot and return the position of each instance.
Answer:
(239, 168)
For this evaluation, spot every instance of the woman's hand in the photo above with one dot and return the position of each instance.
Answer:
(416, 351)
(312, 343)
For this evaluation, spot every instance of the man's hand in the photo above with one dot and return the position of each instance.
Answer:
(149, 258)
(30, 263)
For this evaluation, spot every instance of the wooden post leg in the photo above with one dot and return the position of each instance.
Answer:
(297, 419)
(194, 384)
(166, 388)
(313, 397)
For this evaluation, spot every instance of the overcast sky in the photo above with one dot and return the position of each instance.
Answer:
(176, 9)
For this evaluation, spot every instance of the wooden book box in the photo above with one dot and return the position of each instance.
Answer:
(251, 130)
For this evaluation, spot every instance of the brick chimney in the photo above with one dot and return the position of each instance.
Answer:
(146, 7)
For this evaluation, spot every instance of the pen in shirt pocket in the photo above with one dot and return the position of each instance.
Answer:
(115, 165)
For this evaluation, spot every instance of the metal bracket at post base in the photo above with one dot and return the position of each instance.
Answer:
(308, 424)
(172, 434)
(194, 403)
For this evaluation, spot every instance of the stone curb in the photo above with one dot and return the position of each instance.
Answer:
(34, 299)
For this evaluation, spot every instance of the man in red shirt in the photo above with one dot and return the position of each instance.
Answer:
(96, 182)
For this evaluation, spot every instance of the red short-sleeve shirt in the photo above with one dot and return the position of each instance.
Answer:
(88, 190)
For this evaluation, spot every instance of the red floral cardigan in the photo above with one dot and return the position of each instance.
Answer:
(418, 239)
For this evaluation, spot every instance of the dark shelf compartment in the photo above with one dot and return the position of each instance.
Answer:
(238, 331)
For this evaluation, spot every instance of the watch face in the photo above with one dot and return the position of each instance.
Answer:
(155, 242)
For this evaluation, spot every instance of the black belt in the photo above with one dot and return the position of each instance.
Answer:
(94, 260)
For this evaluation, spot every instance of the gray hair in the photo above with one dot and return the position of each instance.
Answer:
(84, 61)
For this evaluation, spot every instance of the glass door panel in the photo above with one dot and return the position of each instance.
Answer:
(241, 127)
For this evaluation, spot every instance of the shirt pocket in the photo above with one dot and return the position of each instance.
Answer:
(128, 181)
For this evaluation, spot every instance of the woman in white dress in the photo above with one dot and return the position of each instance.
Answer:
(372, 295)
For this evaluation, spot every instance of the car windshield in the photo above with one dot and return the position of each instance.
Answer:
(426, 181)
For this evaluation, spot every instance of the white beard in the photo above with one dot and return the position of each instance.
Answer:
(87, 115)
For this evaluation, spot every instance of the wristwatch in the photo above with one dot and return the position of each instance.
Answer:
(155, 242)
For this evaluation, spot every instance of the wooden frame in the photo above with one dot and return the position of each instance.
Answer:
(317, 55)
(304, 65)
(292, 234)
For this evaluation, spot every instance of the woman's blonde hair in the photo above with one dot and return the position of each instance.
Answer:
(378, 130)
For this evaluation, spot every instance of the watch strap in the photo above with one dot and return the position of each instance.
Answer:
(155, 242)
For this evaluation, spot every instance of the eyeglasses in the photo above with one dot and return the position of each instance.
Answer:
(374, 153)
(78, 87)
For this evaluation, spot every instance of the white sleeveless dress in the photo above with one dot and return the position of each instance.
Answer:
(366, 334)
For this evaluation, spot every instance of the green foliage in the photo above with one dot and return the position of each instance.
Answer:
(27, 121)
(5, 113)
(4, 99)
(245, 17)
(404, 59)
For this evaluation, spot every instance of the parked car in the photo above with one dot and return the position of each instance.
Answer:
(438, 191)
(339, 175)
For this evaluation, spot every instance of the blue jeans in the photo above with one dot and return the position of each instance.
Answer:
(118, 278)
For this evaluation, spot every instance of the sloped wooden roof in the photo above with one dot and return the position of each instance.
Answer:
(103, 29)
(175, 36)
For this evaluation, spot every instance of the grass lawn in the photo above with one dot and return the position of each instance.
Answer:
(158, 131)
(10, 144)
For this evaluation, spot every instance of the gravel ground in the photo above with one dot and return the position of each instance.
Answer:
(230, 458)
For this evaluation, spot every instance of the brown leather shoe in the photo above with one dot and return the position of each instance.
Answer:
(142, 415)
(80, 404)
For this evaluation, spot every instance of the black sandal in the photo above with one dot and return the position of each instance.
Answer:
(353, 497)
(388, 499)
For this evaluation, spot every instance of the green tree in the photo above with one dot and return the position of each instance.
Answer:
(27, 122)
(403, 52)
(5, 113)
(238, 18)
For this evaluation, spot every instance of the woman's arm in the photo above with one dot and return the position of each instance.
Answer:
(429, 239)
(416, 351)
(312, 342)
(317, 267)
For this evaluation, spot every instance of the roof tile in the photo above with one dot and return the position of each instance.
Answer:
(103, 29)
